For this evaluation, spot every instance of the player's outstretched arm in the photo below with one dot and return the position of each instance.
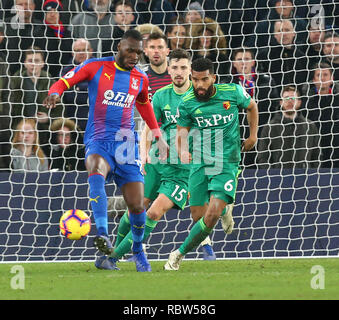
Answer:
(252, 118)
(76, 75)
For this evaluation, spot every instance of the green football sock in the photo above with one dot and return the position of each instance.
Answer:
(126, 244)
(123, 228)
(197, 234)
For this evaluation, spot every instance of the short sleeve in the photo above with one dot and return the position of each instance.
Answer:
(243, 97)
(78, 74)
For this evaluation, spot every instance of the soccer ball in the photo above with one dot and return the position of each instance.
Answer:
(75, 224)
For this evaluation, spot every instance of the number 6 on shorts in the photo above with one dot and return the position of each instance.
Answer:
(228, 186)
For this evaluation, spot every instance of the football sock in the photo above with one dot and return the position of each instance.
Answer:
(137, 221)
(123, 228)
(126, 244)
(197, 234)
(98, 200)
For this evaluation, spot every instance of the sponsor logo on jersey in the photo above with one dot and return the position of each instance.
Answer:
(118, 99)
(170, 117)
(109, 94)
(108, 76)
(215, 120)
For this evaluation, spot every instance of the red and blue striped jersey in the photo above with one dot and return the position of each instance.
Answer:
(112, 93)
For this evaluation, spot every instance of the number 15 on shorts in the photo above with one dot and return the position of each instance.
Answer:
(178, 193)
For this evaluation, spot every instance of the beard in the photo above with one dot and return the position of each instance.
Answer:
(179, 84)
(157, 63)
(203, 97)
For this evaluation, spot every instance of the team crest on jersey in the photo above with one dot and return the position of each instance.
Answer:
(135, 84)
(226, 104)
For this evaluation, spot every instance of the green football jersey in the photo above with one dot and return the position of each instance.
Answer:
(215, 132)
(165, 105)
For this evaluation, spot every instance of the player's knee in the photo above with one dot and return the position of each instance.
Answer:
(95, 164)
(211, 219)
(135, 207)
(197, 212)
(154, 214)
(213, 213)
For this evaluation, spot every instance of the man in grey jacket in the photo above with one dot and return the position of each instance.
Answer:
(289, 140)
(96, 26)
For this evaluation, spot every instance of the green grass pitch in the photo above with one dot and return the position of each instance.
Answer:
(196, 280)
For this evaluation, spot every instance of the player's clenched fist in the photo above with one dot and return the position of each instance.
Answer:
(185, 157)
(249, 143)
(51, 101)
(163, 149)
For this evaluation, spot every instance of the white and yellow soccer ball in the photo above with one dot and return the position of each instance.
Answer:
(75, 224)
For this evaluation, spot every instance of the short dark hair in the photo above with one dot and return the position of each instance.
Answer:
(330, 34)
(243, 50)
(33, 50)
(290, 88)
(132, 33)
(123, 3)
(157, 36)
(179, 54)
(203, 64)
(321, 65)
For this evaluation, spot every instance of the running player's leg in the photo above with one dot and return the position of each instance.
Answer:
(98, 169)
(171, 194)
(222, 189)
(133, 193)
(222, 192)
(227, 221)
(124, 226)
(204, 226)
(198, 206)
(198, 233)
(197, 213)
(158, 208)
(152, 183)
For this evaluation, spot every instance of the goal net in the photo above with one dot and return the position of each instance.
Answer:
(283, 53)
